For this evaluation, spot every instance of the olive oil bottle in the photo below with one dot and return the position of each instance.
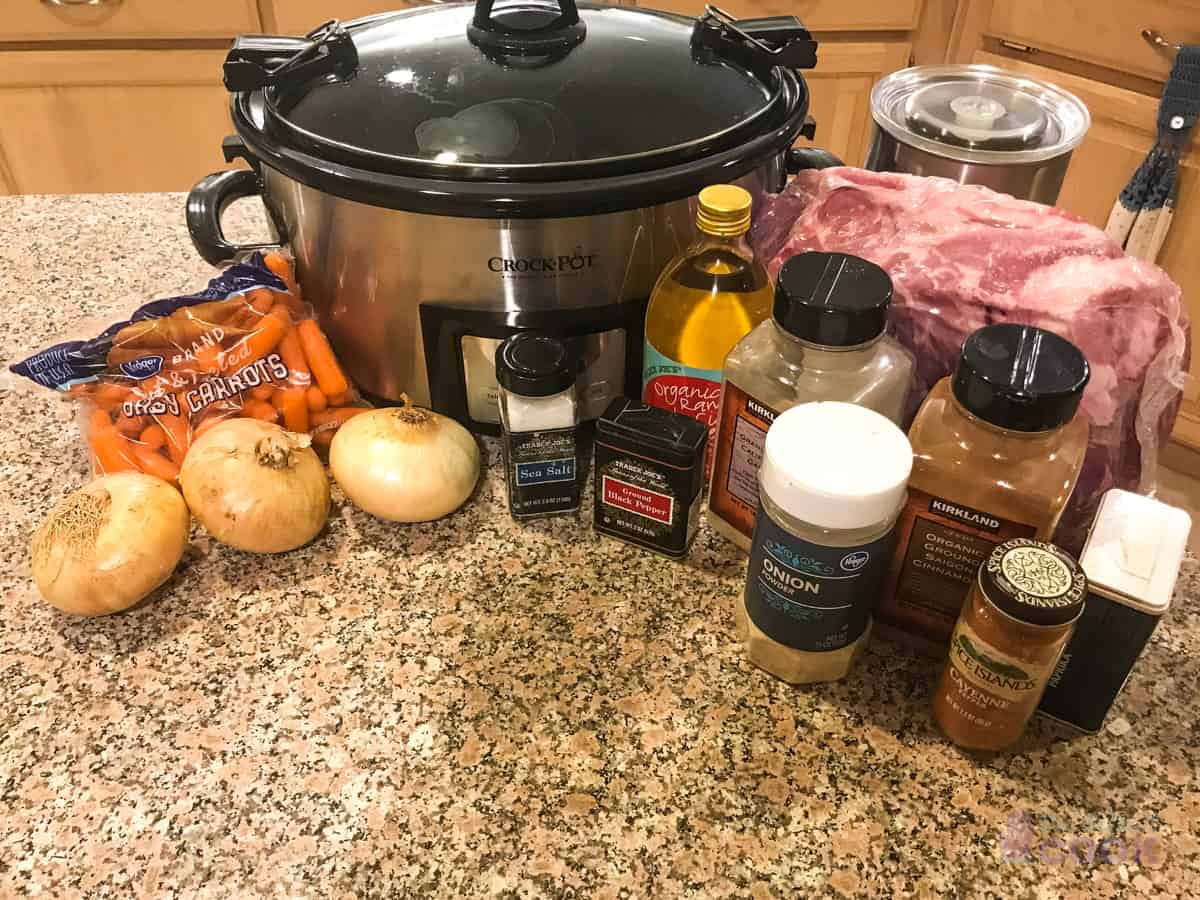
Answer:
(706, 300)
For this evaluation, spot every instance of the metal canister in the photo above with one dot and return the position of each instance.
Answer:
(1132, 560)
(977, 124)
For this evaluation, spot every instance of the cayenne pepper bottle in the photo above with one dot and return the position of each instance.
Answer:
(1019, 617)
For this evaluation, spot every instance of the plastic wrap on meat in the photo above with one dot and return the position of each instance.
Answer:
(962, 257)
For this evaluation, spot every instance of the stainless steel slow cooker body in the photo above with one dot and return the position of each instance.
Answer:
(389, 230)
(976, 124)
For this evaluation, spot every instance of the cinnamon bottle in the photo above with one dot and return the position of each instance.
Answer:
(997, 449)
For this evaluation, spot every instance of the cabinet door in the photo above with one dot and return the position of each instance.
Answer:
(75, 121)
(1106, 34)
(840, 93)
(302, 16)
(89, 20)
(1122, 132)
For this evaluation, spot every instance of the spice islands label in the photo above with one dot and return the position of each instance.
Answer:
(670, 385)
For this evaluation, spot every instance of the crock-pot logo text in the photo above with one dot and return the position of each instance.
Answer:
(566, 262)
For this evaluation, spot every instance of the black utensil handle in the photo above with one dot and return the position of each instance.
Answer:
(799, 158)
(206, 203)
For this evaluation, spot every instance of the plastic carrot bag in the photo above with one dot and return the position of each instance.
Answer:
(247, 345)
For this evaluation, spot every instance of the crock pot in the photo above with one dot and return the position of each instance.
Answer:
(452, 173)
(976, 124)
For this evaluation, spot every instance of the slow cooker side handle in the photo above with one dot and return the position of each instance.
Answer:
(799, 158)
(207, 201)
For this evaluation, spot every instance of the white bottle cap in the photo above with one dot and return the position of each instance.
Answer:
(1135, 549)
(836, 465)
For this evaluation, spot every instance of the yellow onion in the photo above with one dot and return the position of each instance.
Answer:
(405, 464)
(107, 545)
(255, 486)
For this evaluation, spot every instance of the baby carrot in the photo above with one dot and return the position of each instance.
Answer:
(316, 399)
(321, 361)
(338, 399)
(127, 425)
(255, 345)
(282, 266)
(109, 449)
(110, 396)
(208, 358)
(290, 350)
(260, 300)
(154, 463)
(175, 429)
(261, 409)
(153, 437)
(262, 392)
(294, 406)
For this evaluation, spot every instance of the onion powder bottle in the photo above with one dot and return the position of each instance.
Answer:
(831, 485)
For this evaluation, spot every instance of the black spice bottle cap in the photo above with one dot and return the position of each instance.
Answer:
(832, 299)
(1020, 377)
(1033, 582)
(649, 431)
(534, 365)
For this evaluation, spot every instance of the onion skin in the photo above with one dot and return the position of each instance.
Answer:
(256, 487)
(405, 464)
(104, 547)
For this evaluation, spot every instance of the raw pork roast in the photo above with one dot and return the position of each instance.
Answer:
(962, 257)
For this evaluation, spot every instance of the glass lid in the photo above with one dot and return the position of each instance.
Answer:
(480, 92)
(978, 114)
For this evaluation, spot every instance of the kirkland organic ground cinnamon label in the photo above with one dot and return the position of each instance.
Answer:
(940, 545)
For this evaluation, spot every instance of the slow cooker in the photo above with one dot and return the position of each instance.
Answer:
(449, 175)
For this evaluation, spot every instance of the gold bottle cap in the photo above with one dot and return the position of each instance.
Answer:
(724, 210)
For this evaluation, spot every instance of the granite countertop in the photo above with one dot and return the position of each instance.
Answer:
(475, 708)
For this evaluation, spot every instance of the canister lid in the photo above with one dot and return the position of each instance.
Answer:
(832, 299)
(836, 465)
(1135, 549)
(534, 365)
(1033, 582)
(647, 430)
(1020, 377)
(979, 114)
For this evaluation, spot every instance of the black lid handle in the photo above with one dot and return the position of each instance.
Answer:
(538, 29)
(262, 60)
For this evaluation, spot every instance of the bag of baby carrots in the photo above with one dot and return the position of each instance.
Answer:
(247, 345)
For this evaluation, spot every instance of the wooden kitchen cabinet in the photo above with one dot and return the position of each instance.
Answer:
(100, 20)
(302, 16)
(82, 121)
(840, 93)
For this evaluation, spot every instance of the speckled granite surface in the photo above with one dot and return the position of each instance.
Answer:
(474, 708)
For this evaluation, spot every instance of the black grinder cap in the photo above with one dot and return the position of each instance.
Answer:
(832, 299)
(1020, 377)
(1034, 582)
(534, 365)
